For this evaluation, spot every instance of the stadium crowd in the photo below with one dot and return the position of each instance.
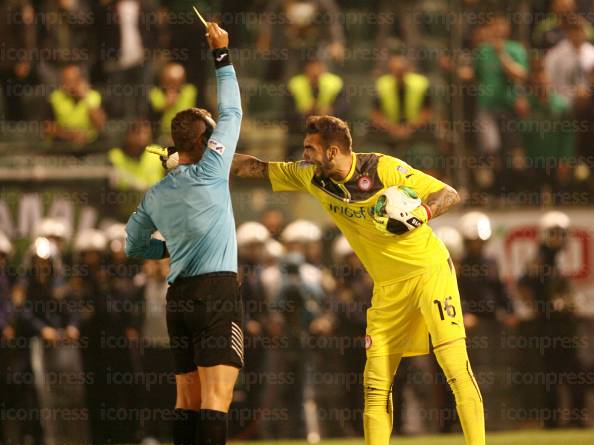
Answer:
(510, 100)
(506, 110)
(305, 294)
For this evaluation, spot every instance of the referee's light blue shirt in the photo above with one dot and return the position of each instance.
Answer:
(191, 206)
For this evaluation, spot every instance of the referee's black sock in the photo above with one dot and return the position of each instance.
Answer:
(185, 423)
(212, 427)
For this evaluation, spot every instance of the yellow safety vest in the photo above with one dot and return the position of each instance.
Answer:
(416, 88)
(330, 86)
(132, 173)
(185, 99)
(74, 115)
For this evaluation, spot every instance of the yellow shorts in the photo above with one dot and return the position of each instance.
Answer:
(403, 314)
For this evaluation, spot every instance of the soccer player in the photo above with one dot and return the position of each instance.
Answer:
(191, 207)
(415, 292)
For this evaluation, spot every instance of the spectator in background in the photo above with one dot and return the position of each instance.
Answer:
(584, 118)
(584, 114)
(313, 92)
(17, 35)
(274, 220)
(6, 315)
(74, 114)
(155, 356)
(304, 238)
(484, 297)
(171, 96)
(7, 335)
(64, 36)
(125, 307)
(135, 169)
(552, 29)
(44, 289)
(251, 243)
(40, 310)
(568, 63)
(251, 240)
(105, 327)
(395, 28)
(58, 232)
(401, 106)
(549, 297)
(127, 32)
(548, 139)
(299, 304)
(181, 38)
(303, 30)
(6, 328)
(500, 68)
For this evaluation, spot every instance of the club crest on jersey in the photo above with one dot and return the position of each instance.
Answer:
(216, 146)
(364, 183)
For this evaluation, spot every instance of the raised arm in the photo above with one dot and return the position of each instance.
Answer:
(246, 166)
(223, 141)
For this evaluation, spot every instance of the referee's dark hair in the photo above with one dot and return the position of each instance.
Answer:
(189, 130)
(332, 131)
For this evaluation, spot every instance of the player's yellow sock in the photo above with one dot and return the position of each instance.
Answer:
(377, 415)
(453, 359)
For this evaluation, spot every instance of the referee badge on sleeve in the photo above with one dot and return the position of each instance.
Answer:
(216, 146)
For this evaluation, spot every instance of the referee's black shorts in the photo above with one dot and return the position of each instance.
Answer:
(204, 321)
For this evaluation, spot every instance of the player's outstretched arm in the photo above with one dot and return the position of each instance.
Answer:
(441, 201)
(246, 166)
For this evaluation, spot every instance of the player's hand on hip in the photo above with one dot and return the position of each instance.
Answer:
(399, 210)
(216, 36)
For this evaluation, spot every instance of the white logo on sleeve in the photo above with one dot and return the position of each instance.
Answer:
(402, 170)
(216, 146)
(221, 57)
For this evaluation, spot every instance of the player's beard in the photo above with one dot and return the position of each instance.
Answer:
(323, 168)
(318, 167)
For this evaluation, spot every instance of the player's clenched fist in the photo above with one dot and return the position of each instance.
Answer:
(399, 210)
(217, 37)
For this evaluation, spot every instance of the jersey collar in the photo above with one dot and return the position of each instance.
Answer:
(351, 172)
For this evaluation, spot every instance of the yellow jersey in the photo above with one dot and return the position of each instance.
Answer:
(387, 257)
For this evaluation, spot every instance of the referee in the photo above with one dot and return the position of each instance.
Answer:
(191, 207)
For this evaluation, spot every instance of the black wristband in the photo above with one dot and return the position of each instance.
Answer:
(221, 57)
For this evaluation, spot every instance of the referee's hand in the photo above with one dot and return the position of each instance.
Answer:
(217, 37)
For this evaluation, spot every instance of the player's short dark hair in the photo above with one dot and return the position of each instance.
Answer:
(332, 131)
(188, 128)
